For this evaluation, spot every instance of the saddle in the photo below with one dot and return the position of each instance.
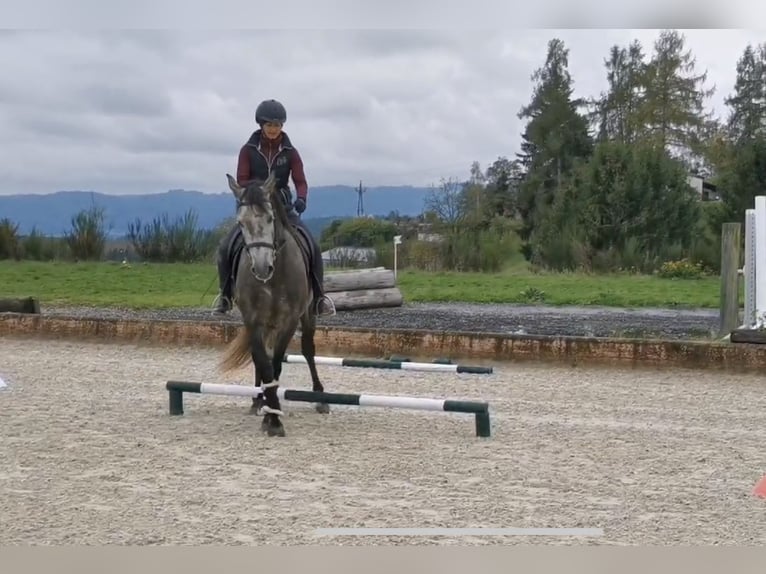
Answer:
(237, 245)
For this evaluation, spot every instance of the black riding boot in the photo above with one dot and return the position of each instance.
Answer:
(223, 301)
(323, 304)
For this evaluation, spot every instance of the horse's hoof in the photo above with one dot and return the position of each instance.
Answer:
(322, 408)
(257, 406)
(272, 427)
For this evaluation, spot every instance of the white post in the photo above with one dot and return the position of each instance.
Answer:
(397, 242)
(748, 272)
(760, 260)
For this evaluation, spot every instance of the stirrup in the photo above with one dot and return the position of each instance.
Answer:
(324, 299)
(222, 304)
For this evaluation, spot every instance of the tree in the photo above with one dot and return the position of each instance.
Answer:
(618, 109)
(672, 109)
(747, 117)
(445, 201)
(631, 202)
(739, 150)
(472, 196)
(742, 177)
(555, 136)
(503, 180)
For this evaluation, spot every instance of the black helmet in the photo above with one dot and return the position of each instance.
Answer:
(270, 111)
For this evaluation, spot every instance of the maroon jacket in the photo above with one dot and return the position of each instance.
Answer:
(260, 156)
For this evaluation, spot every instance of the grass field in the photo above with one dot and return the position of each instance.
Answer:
(193, 285)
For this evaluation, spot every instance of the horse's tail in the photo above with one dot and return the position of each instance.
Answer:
(237, 352)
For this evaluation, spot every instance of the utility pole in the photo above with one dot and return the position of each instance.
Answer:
(360, 200)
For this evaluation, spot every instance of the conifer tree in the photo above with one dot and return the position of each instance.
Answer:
(554, 138)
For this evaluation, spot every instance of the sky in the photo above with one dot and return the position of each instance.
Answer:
(150, 110)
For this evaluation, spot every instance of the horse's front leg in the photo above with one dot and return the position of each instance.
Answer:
(257, 406)
(271, 424)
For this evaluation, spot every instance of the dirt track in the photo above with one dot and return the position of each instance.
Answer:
(89, 455)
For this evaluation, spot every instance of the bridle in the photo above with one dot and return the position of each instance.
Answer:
(276, 245)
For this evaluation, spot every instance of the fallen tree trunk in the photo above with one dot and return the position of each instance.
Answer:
(28, 305)
(356, 270)
(366, 298)
(365, 279)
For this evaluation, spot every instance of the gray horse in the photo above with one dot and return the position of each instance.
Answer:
(273, 293)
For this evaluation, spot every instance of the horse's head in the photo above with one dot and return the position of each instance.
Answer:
(256, 216)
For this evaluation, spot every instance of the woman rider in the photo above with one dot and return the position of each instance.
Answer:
(270, 149)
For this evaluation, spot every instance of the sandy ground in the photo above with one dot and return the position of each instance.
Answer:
(89, 455)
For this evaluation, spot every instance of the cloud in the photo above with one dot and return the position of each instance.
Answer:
(146, 111)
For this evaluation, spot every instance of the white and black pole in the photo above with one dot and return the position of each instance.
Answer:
(480, 410)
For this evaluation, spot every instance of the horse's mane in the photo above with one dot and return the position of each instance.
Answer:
(258, 196)
(254, 194)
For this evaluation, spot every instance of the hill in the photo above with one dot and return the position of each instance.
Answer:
(51, 214)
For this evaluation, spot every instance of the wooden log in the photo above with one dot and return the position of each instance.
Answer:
(366, 298)
(28, 305)
(356, 270)
(361, 280)
(751, 336)
(730, 255)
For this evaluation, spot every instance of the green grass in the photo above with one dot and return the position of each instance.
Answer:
(136, 286)
(523, 286)
(191, 285)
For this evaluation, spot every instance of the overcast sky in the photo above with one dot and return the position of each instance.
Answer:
(148, 111)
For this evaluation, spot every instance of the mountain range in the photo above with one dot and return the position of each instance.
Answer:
(51, 214)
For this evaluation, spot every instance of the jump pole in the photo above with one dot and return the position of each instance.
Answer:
(384, 364)
(480, 410)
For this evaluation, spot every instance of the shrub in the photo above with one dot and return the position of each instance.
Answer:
(87, 238)
(9, 239)
(681, 269)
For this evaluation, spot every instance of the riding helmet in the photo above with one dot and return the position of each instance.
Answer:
(270, 111)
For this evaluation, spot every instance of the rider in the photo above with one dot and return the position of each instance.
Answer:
(269, 149)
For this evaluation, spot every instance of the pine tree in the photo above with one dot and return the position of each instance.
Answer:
(617, 110)
(739, 154)
(747, 105)
(672, 109)
(555, 136)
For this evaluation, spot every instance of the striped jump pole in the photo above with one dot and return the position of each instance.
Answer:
(480, 410)
(391, 364)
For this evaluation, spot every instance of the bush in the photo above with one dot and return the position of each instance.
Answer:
(681, 269)
(358, 232)
(9, 240)
(87, 238)
(482, 250)
(174, 241)
(37, 247)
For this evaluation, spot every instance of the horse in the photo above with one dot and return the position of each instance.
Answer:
(272, 290)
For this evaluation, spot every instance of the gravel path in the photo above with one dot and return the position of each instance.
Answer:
(599, 321)
(90, 456)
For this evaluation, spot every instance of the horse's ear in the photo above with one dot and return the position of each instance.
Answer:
(235, 188)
